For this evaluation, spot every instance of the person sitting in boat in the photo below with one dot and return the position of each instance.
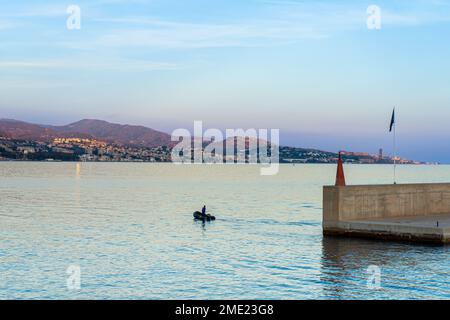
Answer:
(204, 210)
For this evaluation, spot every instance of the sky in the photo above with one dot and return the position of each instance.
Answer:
(312, 69)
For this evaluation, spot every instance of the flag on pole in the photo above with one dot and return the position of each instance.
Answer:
(393, 127)
(392, 121)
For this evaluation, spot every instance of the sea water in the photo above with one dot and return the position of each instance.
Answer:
(125, 231)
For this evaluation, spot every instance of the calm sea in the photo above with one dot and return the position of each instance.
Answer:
(129, 229)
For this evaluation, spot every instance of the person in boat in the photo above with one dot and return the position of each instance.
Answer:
(204, 211)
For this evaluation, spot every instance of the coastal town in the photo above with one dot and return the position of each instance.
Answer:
(78, 149)
(93, 150)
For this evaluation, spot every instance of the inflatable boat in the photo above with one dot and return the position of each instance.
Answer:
(207, 217)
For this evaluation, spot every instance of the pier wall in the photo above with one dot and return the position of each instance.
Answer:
(385, 201)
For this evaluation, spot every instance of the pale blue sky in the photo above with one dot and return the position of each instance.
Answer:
(309, 68)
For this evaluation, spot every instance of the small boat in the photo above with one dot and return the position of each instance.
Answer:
(204, 217)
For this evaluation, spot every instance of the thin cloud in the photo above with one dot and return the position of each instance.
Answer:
(278, 23)
(7, 25)
(38, 11)
(348, 15)
(111, 64)
(288, 21)
(172, 34)
(31, 84)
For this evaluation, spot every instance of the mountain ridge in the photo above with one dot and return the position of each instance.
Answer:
(16, 129)
(86, 128)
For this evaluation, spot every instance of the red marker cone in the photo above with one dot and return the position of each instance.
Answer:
(340, 176)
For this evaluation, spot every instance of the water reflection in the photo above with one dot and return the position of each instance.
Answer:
(78, 170)
(200, 223)
(345, 263)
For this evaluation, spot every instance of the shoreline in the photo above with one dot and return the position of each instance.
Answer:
(219, 163)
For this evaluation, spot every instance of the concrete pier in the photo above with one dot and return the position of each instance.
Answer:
(412, 212)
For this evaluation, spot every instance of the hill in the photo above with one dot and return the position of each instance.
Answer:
(20, 130)
(101, 130)
(121, 134)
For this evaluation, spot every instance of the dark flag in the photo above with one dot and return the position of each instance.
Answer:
(392, 121)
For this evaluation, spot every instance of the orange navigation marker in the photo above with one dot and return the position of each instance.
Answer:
(340, 176)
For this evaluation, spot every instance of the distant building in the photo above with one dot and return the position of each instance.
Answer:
(380, 154)
(355, 154)
(26, 150)
(62, 150)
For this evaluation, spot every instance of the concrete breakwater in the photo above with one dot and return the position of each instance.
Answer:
(413, 212)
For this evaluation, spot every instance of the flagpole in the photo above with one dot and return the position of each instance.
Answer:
(395, 148)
